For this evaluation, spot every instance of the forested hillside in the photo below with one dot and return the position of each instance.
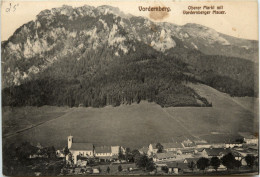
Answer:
(121, 81)
(89, 56)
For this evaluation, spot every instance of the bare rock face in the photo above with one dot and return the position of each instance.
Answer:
(63, 31)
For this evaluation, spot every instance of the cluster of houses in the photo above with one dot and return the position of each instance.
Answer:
(175, 156)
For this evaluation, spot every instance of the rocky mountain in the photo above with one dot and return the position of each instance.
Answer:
(82, 46)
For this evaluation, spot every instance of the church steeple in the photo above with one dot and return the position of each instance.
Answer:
(70, 141)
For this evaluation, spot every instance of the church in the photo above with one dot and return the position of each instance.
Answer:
(89, 150)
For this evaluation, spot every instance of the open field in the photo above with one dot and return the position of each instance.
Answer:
(227, 115)
(20, 119)
(133, 125)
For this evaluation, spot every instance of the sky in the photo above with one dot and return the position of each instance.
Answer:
(240, 20)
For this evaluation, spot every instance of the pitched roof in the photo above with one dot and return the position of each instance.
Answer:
(103, 149)
(82, 146)
(165, 155)
(217, 151)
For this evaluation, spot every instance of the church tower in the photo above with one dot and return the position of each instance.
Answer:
(70, 141)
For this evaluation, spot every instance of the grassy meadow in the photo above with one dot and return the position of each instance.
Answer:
(134, 125)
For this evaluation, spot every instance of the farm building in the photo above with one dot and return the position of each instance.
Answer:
(106, 153)
(103, 151)
(214, 152)
(164, 156)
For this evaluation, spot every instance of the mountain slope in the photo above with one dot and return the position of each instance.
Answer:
(138, 125)
(100, 56)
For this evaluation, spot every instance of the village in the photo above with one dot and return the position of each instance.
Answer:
(173, 158)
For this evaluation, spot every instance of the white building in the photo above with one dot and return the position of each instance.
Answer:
(115, 150)
(81, 149)
(89, 150)
(233, 144)
(103, 151)
(168, 147)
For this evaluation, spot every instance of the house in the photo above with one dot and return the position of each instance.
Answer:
(202, 144)
(39, 153)
(159, 166)
(233, 144)
(237, 155)
(60, 154)
(82, 163)
(215, 152)
(166, 147)
(80, 149)
(247, 151)
(187, 151)
(152, 149)
(217, 145)
(220, 168)
(104, 153)
(164, 156)
(249, 138)
(188, 144)
(172, 146)
(176, 167)
(115, 150)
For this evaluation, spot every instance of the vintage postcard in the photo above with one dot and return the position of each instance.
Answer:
(129, 87)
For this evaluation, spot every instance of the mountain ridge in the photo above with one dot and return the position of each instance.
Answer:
(77, 47)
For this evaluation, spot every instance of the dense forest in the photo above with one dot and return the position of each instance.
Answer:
(121, 81)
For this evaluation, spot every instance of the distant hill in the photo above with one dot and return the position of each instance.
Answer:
(100, 56)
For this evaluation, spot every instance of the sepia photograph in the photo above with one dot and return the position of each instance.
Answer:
(129, 88)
